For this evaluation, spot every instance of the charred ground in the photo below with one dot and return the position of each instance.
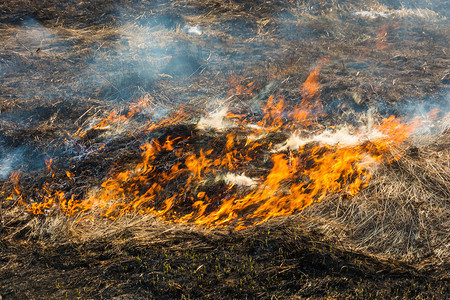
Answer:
(68, 64)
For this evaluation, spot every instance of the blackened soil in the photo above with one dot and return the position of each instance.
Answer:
(260, 263)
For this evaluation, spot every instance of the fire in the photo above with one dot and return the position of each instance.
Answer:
(69, 174)
(381, 39)
(219, 181)
(16, 193)
(115, 118)
(238, 88)
(311, 87)
(48, 166)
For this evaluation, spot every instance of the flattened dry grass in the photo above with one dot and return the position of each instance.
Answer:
(403, 214)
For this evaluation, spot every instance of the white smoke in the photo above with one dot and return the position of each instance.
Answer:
(239, 180)
(215, 120)
(343, 137)
(9, 162)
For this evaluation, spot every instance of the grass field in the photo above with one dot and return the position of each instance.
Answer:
(224, 149)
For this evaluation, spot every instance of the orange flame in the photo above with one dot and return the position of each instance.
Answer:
(48, 165)
(114, 117)
(381, 43)
(311, 87)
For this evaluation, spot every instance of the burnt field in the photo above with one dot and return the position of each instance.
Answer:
(224, 149)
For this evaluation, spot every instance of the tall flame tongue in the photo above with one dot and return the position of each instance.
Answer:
(243, 178)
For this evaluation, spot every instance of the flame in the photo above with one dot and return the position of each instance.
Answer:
(114, 117)
(178, 180)
(239, 88)
(16, 193)
(381, 43)
(311, 87)
(48, 166)
(69, 174)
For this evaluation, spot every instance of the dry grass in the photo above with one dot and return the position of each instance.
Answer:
(402, 214)
(69, 64)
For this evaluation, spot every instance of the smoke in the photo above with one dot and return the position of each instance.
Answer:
(239, 180)
(432, 116)
(29, 62)
(116, 63)
(215, 120)
(342, 137)
(9, 162)
(35, 37)
(150, 49)
(21, 157)
(154, 50)
(169, 51)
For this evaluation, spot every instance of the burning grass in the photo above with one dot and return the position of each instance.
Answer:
(333, 248)
(178, 178)
(379, 195)
(258, 157)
